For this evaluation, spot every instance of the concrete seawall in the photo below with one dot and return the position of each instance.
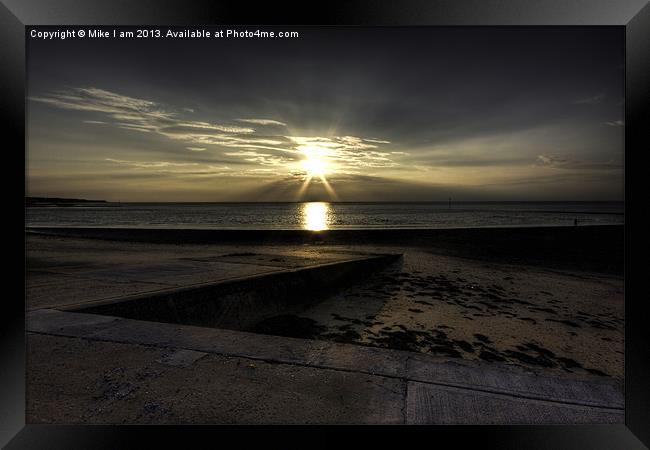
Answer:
(240, 304)
(590, 248)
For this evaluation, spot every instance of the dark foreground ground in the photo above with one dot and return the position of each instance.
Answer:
(521, 318)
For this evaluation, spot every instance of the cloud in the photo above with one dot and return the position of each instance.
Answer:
(202, 129)
(149, 164)
(347, 153)
(176, 169)
(102, 101)
(263, 122)
(590, 100)
(137, 114)
(568, 163)
(616, 123)
(262, 158)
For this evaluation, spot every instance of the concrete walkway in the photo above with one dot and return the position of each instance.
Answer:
(337, 383)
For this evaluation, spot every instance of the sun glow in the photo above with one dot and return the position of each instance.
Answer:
(316, 165)
(315, 162)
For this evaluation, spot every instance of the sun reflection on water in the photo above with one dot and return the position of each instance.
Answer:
(316, 216)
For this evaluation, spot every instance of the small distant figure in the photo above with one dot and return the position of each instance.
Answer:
(575, 222)
(449, 202)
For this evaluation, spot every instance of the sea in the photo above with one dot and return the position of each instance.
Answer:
(327, 215)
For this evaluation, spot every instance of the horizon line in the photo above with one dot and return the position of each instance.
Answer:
(325, 201)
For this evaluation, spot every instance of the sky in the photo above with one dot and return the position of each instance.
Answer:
(344, 114)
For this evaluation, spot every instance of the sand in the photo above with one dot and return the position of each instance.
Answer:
(566, 322)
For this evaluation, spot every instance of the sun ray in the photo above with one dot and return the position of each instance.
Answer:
(304, 187)
(316, 165)
(329, 188)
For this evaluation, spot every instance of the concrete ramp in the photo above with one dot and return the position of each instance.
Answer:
(238, 304)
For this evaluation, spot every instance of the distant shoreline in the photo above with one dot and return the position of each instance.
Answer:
(40, 202)
(62, 200)
(58, 201)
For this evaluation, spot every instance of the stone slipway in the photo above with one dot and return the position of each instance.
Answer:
(241, 302)
(338, 383)
(72, 274)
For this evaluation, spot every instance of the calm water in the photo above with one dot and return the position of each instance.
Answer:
(320, 216)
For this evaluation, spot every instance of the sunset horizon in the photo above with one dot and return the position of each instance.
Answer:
(312, 120)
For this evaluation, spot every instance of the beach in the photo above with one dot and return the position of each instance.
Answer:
(548, 305)
(367, 236)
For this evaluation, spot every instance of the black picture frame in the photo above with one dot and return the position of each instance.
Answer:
(633, 15)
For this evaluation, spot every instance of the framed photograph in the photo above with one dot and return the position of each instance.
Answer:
(252, 218)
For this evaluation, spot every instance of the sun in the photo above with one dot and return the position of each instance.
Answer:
(316, 166)
(315, 163)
